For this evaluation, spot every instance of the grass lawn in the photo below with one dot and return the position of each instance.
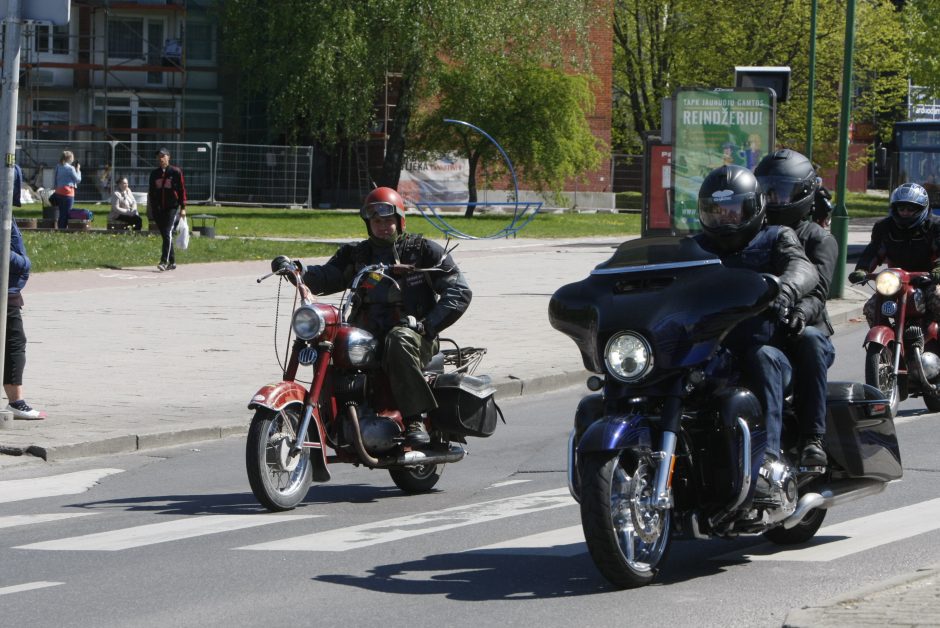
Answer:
(51, 251)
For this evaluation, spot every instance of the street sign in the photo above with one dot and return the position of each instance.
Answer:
(55, 11)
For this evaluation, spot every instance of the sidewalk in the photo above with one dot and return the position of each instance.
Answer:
(133, 359)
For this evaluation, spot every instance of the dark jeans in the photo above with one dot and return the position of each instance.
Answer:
(166, 220)
(135, 221)
(769, 373)
(811, 354)
(406, 353)
(64, 203)
(14, 361)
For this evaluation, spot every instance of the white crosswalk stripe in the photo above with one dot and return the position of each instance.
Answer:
(13, 521)
(561, 542)
(150, 534)
(355, 537)
(52, 486)
(28, 586)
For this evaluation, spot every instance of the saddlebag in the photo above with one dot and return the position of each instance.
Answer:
(860, 435)
(466, 405)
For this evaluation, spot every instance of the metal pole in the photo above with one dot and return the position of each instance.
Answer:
(812, 81)
(840, 217)
(8, 102)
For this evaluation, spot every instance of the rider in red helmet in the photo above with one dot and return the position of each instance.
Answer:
(409, 315)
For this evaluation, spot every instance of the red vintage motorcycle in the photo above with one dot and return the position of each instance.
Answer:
(348, 408)
(902, 349)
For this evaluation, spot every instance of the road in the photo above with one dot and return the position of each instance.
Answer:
(174, 537)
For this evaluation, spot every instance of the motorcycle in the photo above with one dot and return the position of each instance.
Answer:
(670, 443)
(348, 407)
(902, 348)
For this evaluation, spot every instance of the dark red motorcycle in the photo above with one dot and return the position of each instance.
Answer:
(902, 350)
(348, 408)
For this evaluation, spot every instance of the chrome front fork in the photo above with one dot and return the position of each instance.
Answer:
(665, 462)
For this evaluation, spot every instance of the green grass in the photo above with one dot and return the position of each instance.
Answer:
(51, 251)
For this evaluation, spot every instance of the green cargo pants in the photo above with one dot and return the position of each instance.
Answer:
(406, 354)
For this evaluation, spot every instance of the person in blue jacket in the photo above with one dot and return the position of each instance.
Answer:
(15, 352)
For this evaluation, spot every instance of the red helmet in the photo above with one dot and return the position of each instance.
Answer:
(384, 202)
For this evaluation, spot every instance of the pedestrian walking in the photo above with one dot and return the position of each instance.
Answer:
(166, 202)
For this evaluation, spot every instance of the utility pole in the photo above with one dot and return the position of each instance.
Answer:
(840, 216)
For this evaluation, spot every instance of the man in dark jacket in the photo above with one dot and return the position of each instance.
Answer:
(408, 316)
(732, 211)
(789, 181)
(166, 203)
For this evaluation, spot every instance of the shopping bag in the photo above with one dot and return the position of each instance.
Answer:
(182, 235)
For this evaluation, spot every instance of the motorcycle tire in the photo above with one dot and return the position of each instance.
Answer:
(878, 366)
(932, 402)
(626, 537)
(278, 481)
(800, 533)
(415, 480)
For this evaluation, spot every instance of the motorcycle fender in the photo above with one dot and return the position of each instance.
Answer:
(880, 335)
(616, 432)
(277, 396)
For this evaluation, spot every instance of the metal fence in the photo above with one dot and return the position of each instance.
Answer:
(626, 173)
(254, 174)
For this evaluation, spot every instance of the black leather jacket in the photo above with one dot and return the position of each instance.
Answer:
(914, 250)
(822, 250)
(437, 298)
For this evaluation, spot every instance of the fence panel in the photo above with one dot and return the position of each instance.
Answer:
(135, 160)
(253, 174)
(627, 173)
(38, 159)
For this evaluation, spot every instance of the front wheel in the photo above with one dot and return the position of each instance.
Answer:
(879, 372)
(414, 480)
(932, 402)
(278, 479)
(626, 536)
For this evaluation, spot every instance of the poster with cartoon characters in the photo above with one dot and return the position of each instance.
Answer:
(715, 127)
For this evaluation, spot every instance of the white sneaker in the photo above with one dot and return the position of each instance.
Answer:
(22, 410)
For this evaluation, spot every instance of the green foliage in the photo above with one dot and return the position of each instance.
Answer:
(921, 19)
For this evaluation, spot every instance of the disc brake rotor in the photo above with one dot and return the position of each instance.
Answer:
(282, 444)
(646, 519)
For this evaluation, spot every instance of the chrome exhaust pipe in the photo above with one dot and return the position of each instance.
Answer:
(835, 495)
(419, 457)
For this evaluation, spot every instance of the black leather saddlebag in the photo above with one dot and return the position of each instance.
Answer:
(466, 405)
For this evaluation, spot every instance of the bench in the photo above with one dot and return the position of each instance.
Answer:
(119, 225)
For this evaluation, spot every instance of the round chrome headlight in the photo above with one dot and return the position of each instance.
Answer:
(887, 283)
(307, 323)
(628, 357)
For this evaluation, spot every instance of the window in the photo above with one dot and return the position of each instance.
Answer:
(199, 42)
(126, 38)
(54, 39)
(47, 116)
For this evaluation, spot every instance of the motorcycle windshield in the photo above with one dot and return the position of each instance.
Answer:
(669, 290)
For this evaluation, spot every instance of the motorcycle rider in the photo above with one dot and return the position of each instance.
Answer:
(406, 318)
(789, 181)
(908, 238)
(732, 210)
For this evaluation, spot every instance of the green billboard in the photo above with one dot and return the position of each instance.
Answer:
(715, 127)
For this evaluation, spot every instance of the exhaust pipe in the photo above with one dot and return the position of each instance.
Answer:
(367, 460)
(835, 495)
(419, 457)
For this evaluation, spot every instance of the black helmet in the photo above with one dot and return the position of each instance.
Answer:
(914, 197)
(788, 180)
(731, 207)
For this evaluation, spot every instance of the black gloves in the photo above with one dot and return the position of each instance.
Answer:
(780, 308)
(858, 276)
(797, 321)
(280, 263)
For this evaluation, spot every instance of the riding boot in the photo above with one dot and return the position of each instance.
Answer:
(415, 434)
(812, 453)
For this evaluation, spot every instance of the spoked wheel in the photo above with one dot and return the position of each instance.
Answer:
(800, 533)
(278, 479)
(414, 480)
(879, 372)
(626, 536)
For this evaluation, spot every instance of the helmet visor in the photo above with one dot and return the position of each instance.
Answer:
(783, 190)
(380, 210)
(718, 212)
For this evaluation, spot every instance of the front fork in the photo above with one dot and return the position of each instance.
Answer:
(666, 456)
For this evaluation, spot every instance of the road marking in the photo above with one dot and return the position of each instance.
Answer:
(52, 486)
(355, 537)
(850, 537)
(561, 542)
(153, 533)
(25, 520)
(508, 483)
(28, 586)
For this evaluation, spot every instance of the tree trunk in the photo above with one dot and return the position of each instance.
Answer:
(395, 147)
(472, 183)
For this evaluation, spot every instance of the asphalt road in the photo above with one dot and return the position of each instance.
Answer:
(174, 537)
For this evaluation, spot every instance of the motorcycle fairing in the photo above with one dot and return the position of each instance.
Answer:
(616, 432)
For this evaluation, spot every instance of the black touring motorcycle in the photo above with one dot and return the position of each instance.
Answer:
(670, 444)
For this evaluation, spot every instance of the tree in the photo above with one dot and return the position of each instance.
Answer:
(537, 114)
(322, 63)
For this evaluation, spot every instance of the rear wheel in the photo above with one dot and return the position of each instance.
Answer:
(879, 372)
(800, 533)
(932, 402)
(278, 479)
(626, 536)
(414, 480)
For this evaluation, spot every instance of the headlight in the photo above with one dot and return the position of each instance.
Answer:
(307, 323)
(628, 357)
(887, 283)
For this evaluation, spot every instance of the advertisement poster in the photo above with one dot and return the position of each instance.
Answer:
(443, 180)
(715, 127)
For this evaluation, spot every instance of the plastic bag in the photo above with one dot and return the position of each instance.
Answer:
(182, 235)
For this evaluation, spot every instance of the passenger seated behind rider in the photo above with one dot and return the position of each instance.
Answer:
(732, 211)
(406, 321)
(908, 238)
(789, 181)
